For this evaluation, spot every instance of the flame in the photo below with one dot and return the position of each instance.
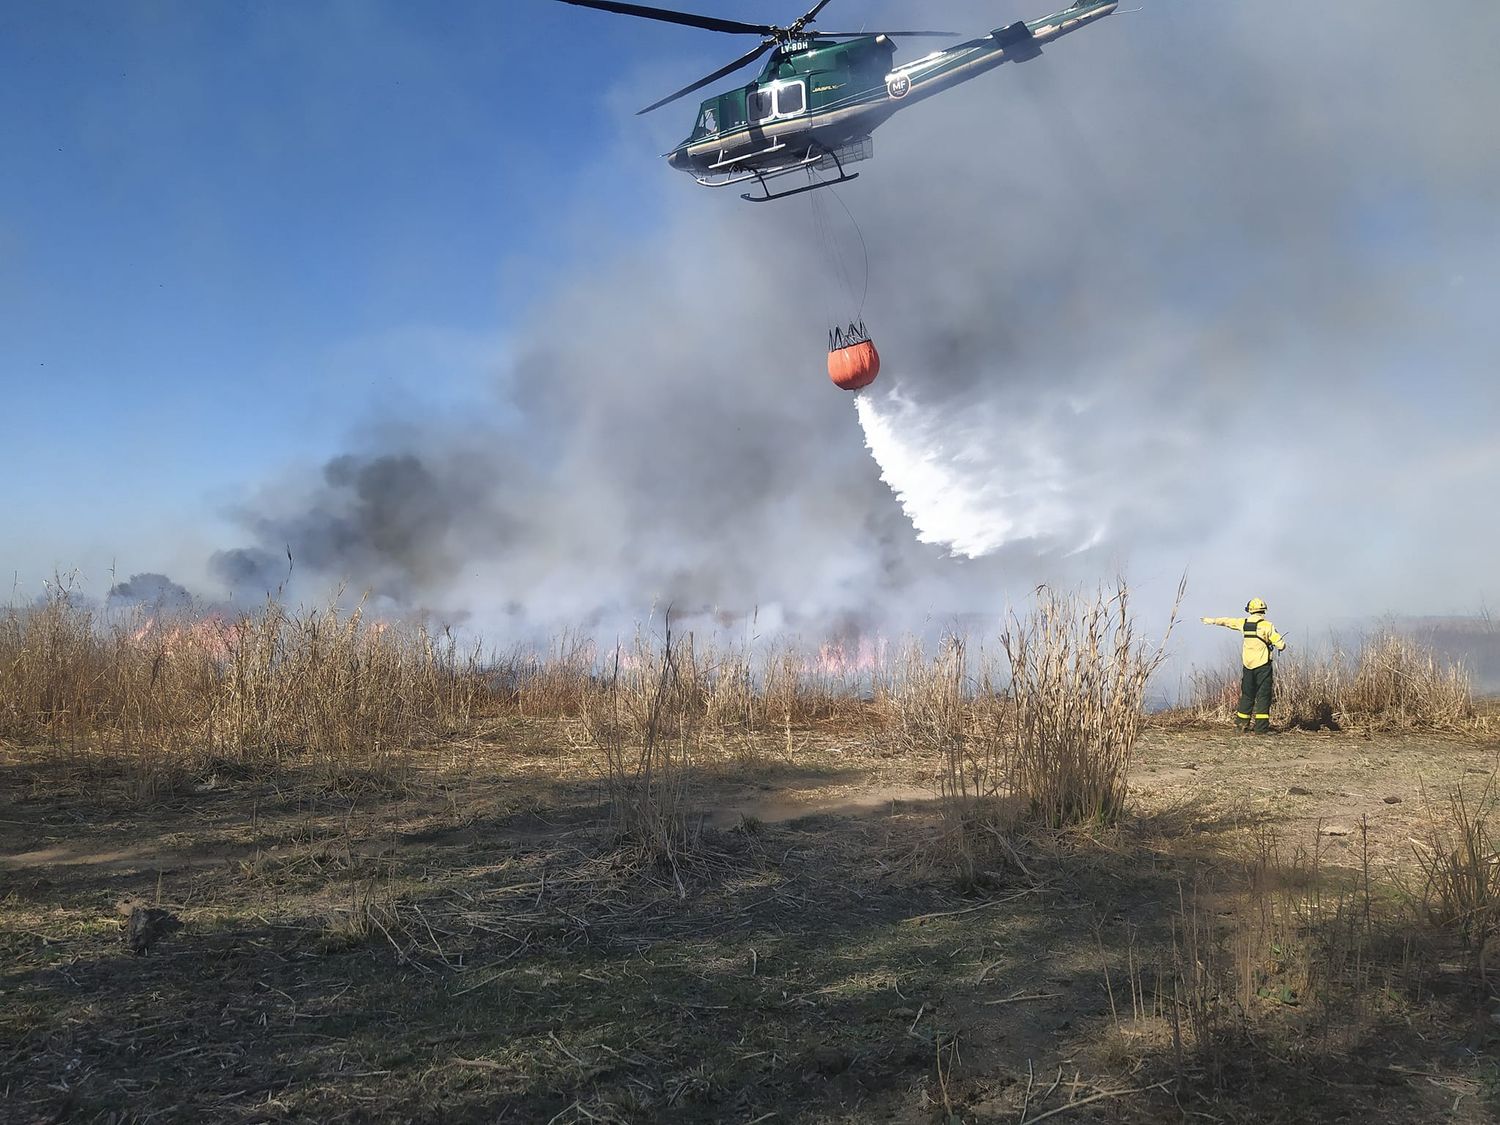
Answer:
(841, 659)
(209, 636)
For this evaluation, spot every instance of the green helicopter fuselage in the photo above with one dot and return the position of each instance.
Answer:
(819, 100)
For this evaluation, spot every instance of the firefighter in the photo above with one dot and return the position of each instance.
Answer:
(1256, 682)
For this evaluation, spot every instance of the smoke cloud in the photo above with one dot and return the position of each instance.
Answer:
(1204, 287)
(152, 591)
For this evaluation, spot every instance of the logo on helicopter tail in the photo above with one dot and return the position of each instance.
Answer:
(898, 85)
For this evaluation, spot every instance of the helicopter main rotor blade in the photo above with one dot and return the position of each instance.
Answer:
(797, 28)
(891, 34)
(714, 77)
(666, 15)
(812, 14)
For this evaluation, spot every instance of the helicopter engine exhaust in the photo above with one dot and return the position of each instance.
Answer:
(1020, 45)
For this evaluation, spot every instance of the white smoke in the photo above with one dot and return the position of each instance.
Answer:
(1203, 288)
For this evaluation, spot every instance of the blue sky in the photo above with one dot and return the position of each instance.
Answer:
(226, 227)
(238, 240)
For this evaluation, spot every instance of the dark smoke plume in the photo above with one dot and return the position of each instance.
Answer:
(152, 591)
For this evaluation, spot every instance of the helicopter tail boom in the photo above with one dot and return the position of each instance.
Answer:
(1071, 19)
(1017, 42)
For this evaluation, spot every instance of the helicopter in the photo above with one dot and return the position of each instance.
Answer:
(822, 93)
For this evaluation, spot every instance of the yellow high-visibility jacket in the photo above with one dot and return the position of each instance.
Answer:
(1259, 640)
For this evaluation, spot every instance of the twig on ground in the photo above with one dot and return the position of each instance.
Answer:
(1018, 998)
(1100, 1096)
(912, 1030)
(919, 919)
(482, 1064)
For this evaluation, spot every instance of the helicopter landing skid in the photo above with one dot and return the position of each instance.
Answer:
(844, 179)
(812, 158)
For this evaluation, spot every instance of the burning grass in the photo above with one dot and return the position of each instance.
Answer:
(1044, 736)
(173, 692)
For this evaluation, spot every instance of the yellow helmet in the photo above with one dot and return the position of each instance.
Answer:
(1255, 605)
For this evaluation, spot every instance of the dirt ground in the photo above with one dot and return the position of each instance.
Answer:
(469, 943)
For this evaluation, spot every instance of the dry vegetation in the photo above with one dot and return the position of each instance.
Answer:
(374, 874)
(1392, 682)
(168, 693)
(1078, 680)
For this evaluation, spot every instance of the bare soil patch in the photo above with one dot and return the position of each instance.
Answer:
(467, 942)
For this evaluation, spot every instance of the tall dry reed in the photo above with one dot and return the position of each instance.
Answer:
(553, 683)
(1078, 678)
(644, 720)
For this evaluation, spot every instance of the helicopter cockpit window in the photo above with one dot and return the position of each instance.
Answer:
(759, 105)
(790, 99)
(709, 121)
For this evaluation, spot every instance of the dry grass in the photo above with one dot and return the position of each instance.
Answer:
(1459, 864)
(1078, 679)
(1392, 682)
(1300, 957)
(645, 723)
(731, 689)
(937, 708)
(168, 693)
(480, 946)
(1297, 958)
(932, 709)
(1045, 740)
(173, 693)
(551, 684)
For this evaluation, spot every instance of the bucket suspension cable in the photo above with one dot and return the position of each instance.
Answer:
(853, 362)
(841, 337)
(838, 255)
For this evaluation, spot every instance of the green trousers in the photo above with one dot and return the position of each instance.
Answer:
(1255, 699)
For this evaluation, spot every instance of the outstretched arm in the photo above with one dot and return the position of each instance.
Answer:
(1227, 622)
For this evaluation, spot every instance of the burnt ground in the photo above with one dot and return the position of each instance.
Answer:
(468, 941)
